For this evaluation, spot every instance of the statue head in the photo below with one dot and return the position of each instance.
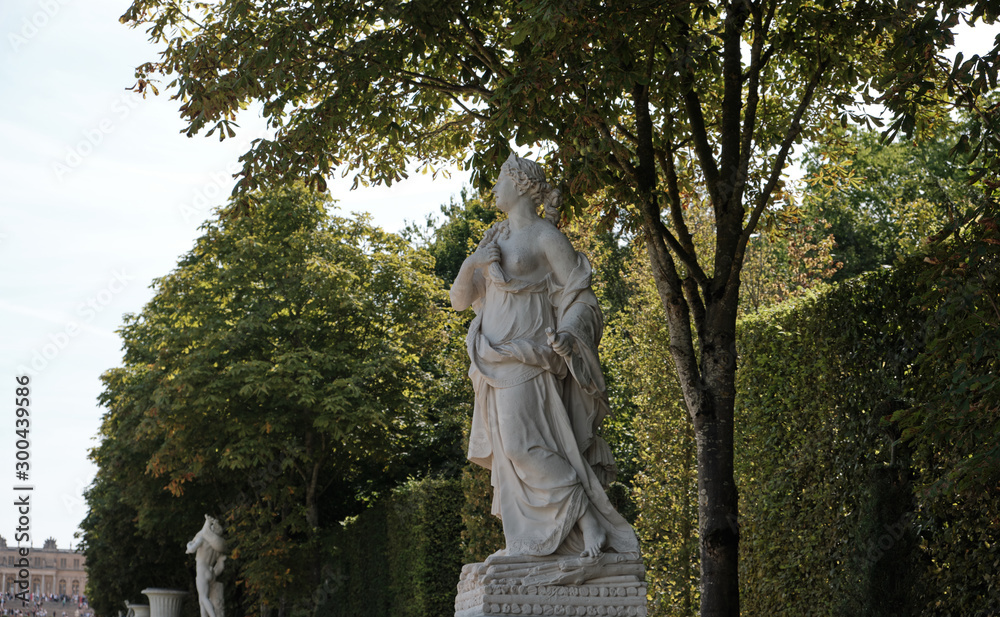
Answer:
(529, 178)
(213, 524)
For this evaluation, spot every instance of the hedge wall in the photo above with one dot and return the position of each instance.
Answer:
(820, 481)
(842, 513)
(400, 558)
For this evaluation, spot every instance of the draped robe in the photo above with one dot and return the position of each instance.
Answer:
(536, 412)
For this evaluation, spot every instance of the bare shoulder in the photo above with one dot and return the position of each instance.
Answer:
(554, 238)
(558, 250)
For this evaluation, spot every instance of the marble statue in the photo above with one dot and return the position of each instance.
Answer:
(209, 550)
(540, 392)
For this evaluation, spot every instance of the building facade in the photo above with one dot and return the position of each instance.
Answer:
(53, 571)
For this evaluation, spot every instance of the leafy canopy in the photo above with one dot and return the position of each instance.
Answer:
(661, 108)
(368, 87)
(283, 372)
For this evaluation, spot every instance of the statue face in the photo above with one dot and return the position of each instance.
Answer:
(214, 525)
(506, 192)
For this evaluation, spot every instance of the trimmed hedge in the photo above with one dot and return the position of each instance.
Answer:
(400, 558)
(482, 532)
(867, 445)
(840, 515)
(824, 494)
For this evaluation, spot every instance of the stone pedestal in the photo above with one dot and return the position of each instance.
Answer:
(164, 602)
(610, 585)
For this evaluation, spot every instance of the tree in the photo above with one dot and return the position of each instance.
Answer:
(282, 375)
(661, 105)
(883, 199)
(121, 559)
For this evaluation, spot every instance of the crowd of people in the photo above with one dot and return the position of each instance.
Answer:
(45, 605)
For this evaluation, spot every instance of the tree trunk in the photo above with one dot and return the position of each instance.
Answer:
(717, 497)
(717, 512)
(709, 388)
(687, 535)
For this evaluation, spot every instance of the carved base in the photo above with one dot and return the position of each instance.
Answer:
(615, 587)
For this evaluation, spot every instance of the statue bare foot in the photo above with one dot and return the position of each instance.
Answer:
(593, 535)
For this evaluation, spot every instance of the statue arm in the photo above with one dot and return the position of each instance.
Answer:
(470, 283)
(563, 261)
(214, 540)
(561, 255)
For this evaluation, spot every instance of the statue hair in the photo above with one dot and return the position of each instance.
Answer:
(529, 178)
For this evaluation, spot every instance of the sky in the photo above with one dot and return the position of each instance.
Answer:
(99, 195)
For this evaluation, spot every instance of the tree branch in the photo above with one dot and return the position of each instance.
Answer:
(410, 78)
(624, 131)
(669, 288)
(617, 149)
(674, 195)
(702, 148)
(761, 26)
(732, 104)
(442, 128)
(646, 180)
(478, 116)
(694, 300)
(753, 99)
(779, 164)
(489, 58)
(440, 85)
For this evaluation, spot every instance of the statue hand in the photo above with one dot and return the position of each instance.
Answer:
(559, 341)
(219, 565)
(492, 253)
(485, 255)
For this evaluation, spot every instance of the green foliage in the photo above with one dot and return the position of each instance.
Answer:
(837, 515)
(957, 399)
(402, 556)
(482, 532)
(367, 88)
(281, 375)
(794, 256)
(815, 381)
(882, 199)
(121, 561)
(664, 486)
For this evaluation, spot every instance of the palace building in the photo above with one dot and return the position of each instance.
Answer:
(53, 571)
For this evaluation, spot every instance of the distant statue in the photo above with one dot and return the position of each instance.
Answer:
(210, 558)
(540, 392)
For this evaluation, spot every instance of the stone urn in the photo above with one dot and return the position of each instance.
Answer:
(137, 610)
(164, 602)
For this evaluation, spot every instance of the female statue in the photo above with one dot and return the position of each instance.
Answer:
(540, 393)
